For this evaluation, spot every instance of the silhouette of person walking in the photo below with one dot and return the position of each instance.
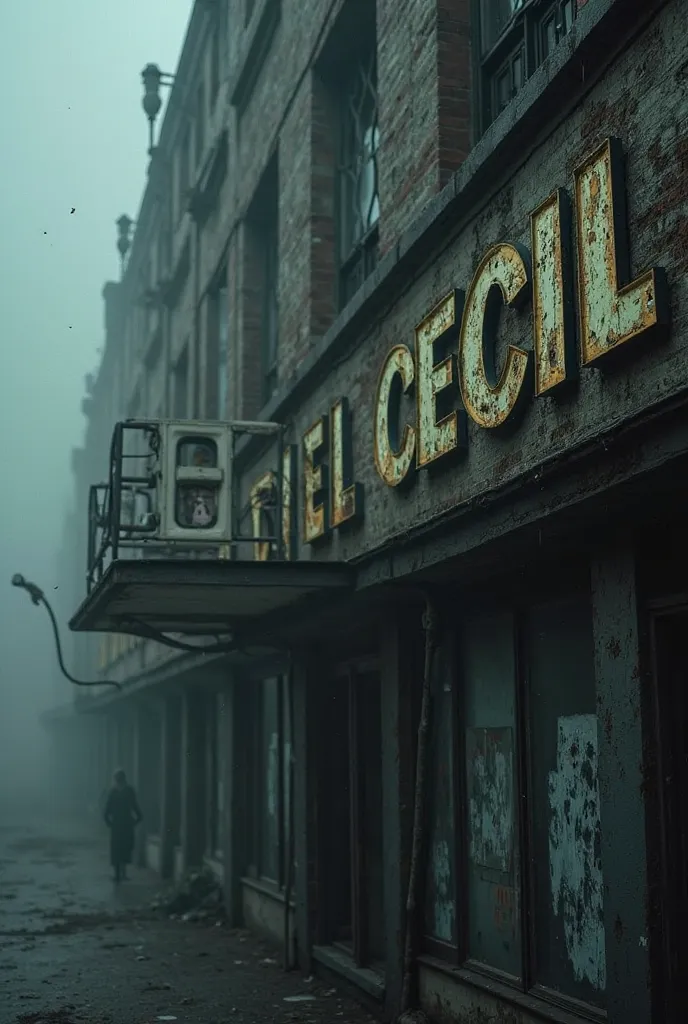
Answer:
(122, 814)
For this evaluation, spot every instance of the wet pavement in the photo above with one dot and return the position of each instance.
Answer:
(76, 949)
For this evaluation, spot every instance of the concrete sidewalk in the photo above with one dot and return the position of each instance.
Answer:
(76, 949)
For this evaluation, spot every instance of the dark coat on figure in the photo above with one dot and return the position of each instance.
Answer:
(122, 813)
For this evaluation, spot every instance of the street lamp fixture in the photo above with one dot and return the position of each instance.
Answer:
(124, 226)
(153, 78)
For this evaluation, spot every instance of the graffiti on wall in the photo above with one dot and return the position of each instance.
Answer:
(575, 863)
(491, 797)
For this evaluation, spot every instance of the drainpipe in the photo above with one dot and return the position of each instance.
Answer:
(408, 1015)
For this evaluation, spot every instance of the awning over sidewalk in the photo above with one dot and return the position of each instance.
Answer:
(207, 597)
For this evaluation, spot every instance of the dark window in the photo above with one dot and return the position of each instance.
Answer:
(350, 830)
(269, 751)
(514, 875)
(216, 767)
(359, 206)
(516, 36)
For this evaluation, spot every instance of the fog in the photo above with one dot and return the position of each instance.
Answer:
(73, 154)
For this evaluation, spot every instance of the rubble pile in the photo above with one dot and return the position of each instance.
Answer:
(197, 897)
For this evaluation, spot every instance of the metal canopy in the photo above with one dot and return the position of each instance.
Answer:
(207, 597)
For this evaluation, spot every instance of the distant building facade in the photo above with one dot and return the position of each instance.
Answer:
(455, 232)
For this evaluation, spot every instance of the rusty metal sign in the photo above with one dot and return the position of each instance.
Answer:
(490, 400)
(613, 309)
(436, 437)
(288, 500)
(394, 456)
(316, 512)
(262, 496)
(347, 496)
(553, 317)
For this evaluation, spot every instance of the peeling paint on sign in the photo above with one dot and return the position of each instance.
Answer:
(491, 797)
(553, 321)
(436, 438)
(490, 397)
(443, 905)
(613, 309)
(575, 863)
(394, 455)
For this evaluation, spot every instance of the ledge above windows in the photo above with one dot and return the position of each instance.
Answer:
(259, 35)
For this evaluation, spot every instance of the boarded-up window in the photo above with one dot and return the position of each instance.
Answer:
(570, 947)
(488, 669)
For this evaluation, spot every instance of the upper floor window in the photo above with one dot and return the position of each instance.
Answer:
(359, 206)
(516, 36)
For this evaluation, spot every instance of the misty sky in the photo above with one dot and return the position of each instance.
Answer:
(73, 135)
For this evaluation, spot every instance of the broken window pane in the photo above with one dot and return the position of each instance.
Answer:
(570, 949)
(488, 671)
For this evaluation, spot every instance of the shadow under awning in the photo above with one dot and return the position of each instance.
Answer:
(199, 598)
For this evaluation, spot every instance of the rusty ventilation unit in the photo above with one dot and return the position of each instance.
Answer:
(171, 492)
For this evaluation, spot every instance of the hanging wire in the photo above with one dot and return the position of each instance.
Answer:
(38, 597)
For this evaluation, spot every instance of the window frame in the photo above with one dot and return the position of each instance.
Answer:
(518, 598)
(522, 31)
(362, 256)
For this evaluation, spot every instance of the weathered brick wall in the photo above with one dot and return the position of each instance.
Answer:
(642, 100)
(424, 76)
(424, 69)
(249, 378)
(295, 228)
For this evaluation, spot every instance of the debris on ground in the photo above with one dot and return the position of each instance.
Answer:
(62, 1016)
(197, 897)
